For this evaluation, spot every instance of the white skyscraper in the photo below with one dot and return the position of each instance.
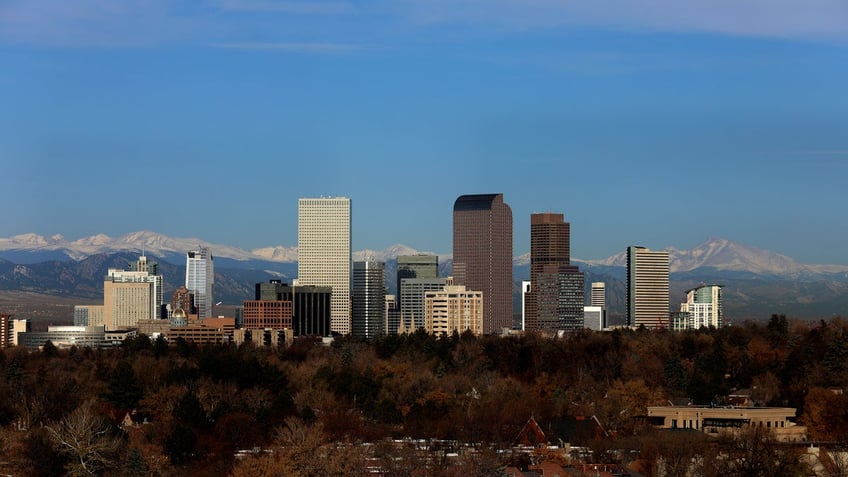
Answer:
(200, 280)
(323, 253)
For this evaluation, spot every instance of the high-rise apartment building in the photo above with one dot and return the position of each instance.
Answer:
(416, 266)
(368, 299)
(482, 255)
(703, 308)
(200, 280)
(453, 309)
(647, 288)
(323, 253)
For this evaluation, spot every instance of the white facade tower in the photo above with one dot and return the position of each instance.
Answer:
(323, 253)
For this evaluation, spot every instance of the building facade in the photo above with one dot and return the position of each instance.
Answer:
(647, 288)
(482, 255)
(453, 309)
(323, 253)
(200, 280)
(599, 295)
(416, 266)
(702, 309)
(267, 314)
(412, 292)
(368, 300)
(572, 291)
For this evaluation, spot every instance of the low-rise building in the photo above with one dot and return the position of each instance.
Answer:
(716, 420)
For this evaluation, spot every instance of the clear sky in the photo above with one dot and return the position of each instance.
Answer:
(649, 122)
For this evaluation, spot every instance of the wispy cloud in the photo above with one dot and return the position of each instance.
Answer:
(111, 23)
(808, 19)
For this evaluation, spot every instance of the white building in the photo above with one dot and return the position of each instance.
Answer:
(599, 294)
(200, 280)
(647, 288)
(525, 289)
(593, 318)
(323, 253)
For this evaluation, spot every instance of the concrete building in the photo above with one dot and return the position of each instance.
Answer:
(599, 295)
(323, 254)
(392, 315)
(67, 336)
(549, 251)
(183, 299)
(482, 255)
(702, 309)
(593, 318)
(88, 315)
(525, 291)
(412, 292)
(311, 308)
(416, 266)
(129, 296)
(647, 288)
(271, 314)
(453, 309)
(718, 420)
(572, 291)
(200, 280)
(368, 300)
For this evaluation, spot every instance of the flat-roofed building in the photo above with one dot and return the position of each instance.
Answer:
(368, 298)
(65, 337)
(453, 309)
(88, 315)
(412, 299)
(262, 314)
(647, 288)
(416, 266)
(717, 420)
(593, 318)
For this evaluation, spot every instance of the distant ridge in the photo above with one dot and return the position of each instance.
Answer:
(716, 253)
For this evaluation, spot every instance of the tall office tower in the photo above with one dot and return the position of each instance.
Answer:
(323, 253)
(127, 298)
(311, 308)
(572, 299)
(702, 308)
(482, 255)
(368, 298)
(416, 266)
(200, 280)
(599, 294)
(412, 292)
(453, 309)
(392, 322)
(550, 238)
(647, 288)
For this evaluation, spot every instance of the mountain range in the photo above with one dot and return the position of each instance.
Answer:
(756, 282)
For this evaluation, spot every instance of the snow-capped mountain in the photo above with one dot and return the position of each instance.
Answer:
(162, 245)
(728, 255)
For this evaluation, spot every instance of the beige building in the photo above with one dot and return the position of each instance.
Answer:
(323, 253)
(125, 302)
(453, 309)
(647, 288)
(718, 420)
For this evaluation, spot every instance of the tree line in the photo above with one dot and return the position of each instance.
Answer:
(194, 407)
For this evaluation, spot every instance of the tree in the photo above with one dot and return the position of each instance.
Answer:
(87, 439)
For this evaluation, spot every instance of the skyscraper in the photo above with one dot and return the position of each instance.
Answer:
(549, 252)
(323, 253)
(368, 314)
(412, 292)
(647, 288)
(415, 266)
(482, 255)
(200, 280)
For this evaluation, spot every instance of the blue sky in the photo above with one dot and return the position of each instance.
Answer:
(650, 122)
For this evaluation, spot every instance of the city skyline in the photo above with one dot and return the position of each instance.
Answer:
(720, 120)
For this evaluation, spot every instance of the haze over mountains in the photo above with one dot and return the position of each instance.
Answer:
(757, 282)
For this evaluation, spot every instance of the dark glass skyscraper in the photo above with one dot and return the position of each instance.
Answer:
(368, 299)
(482, 255)
(550, 250)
